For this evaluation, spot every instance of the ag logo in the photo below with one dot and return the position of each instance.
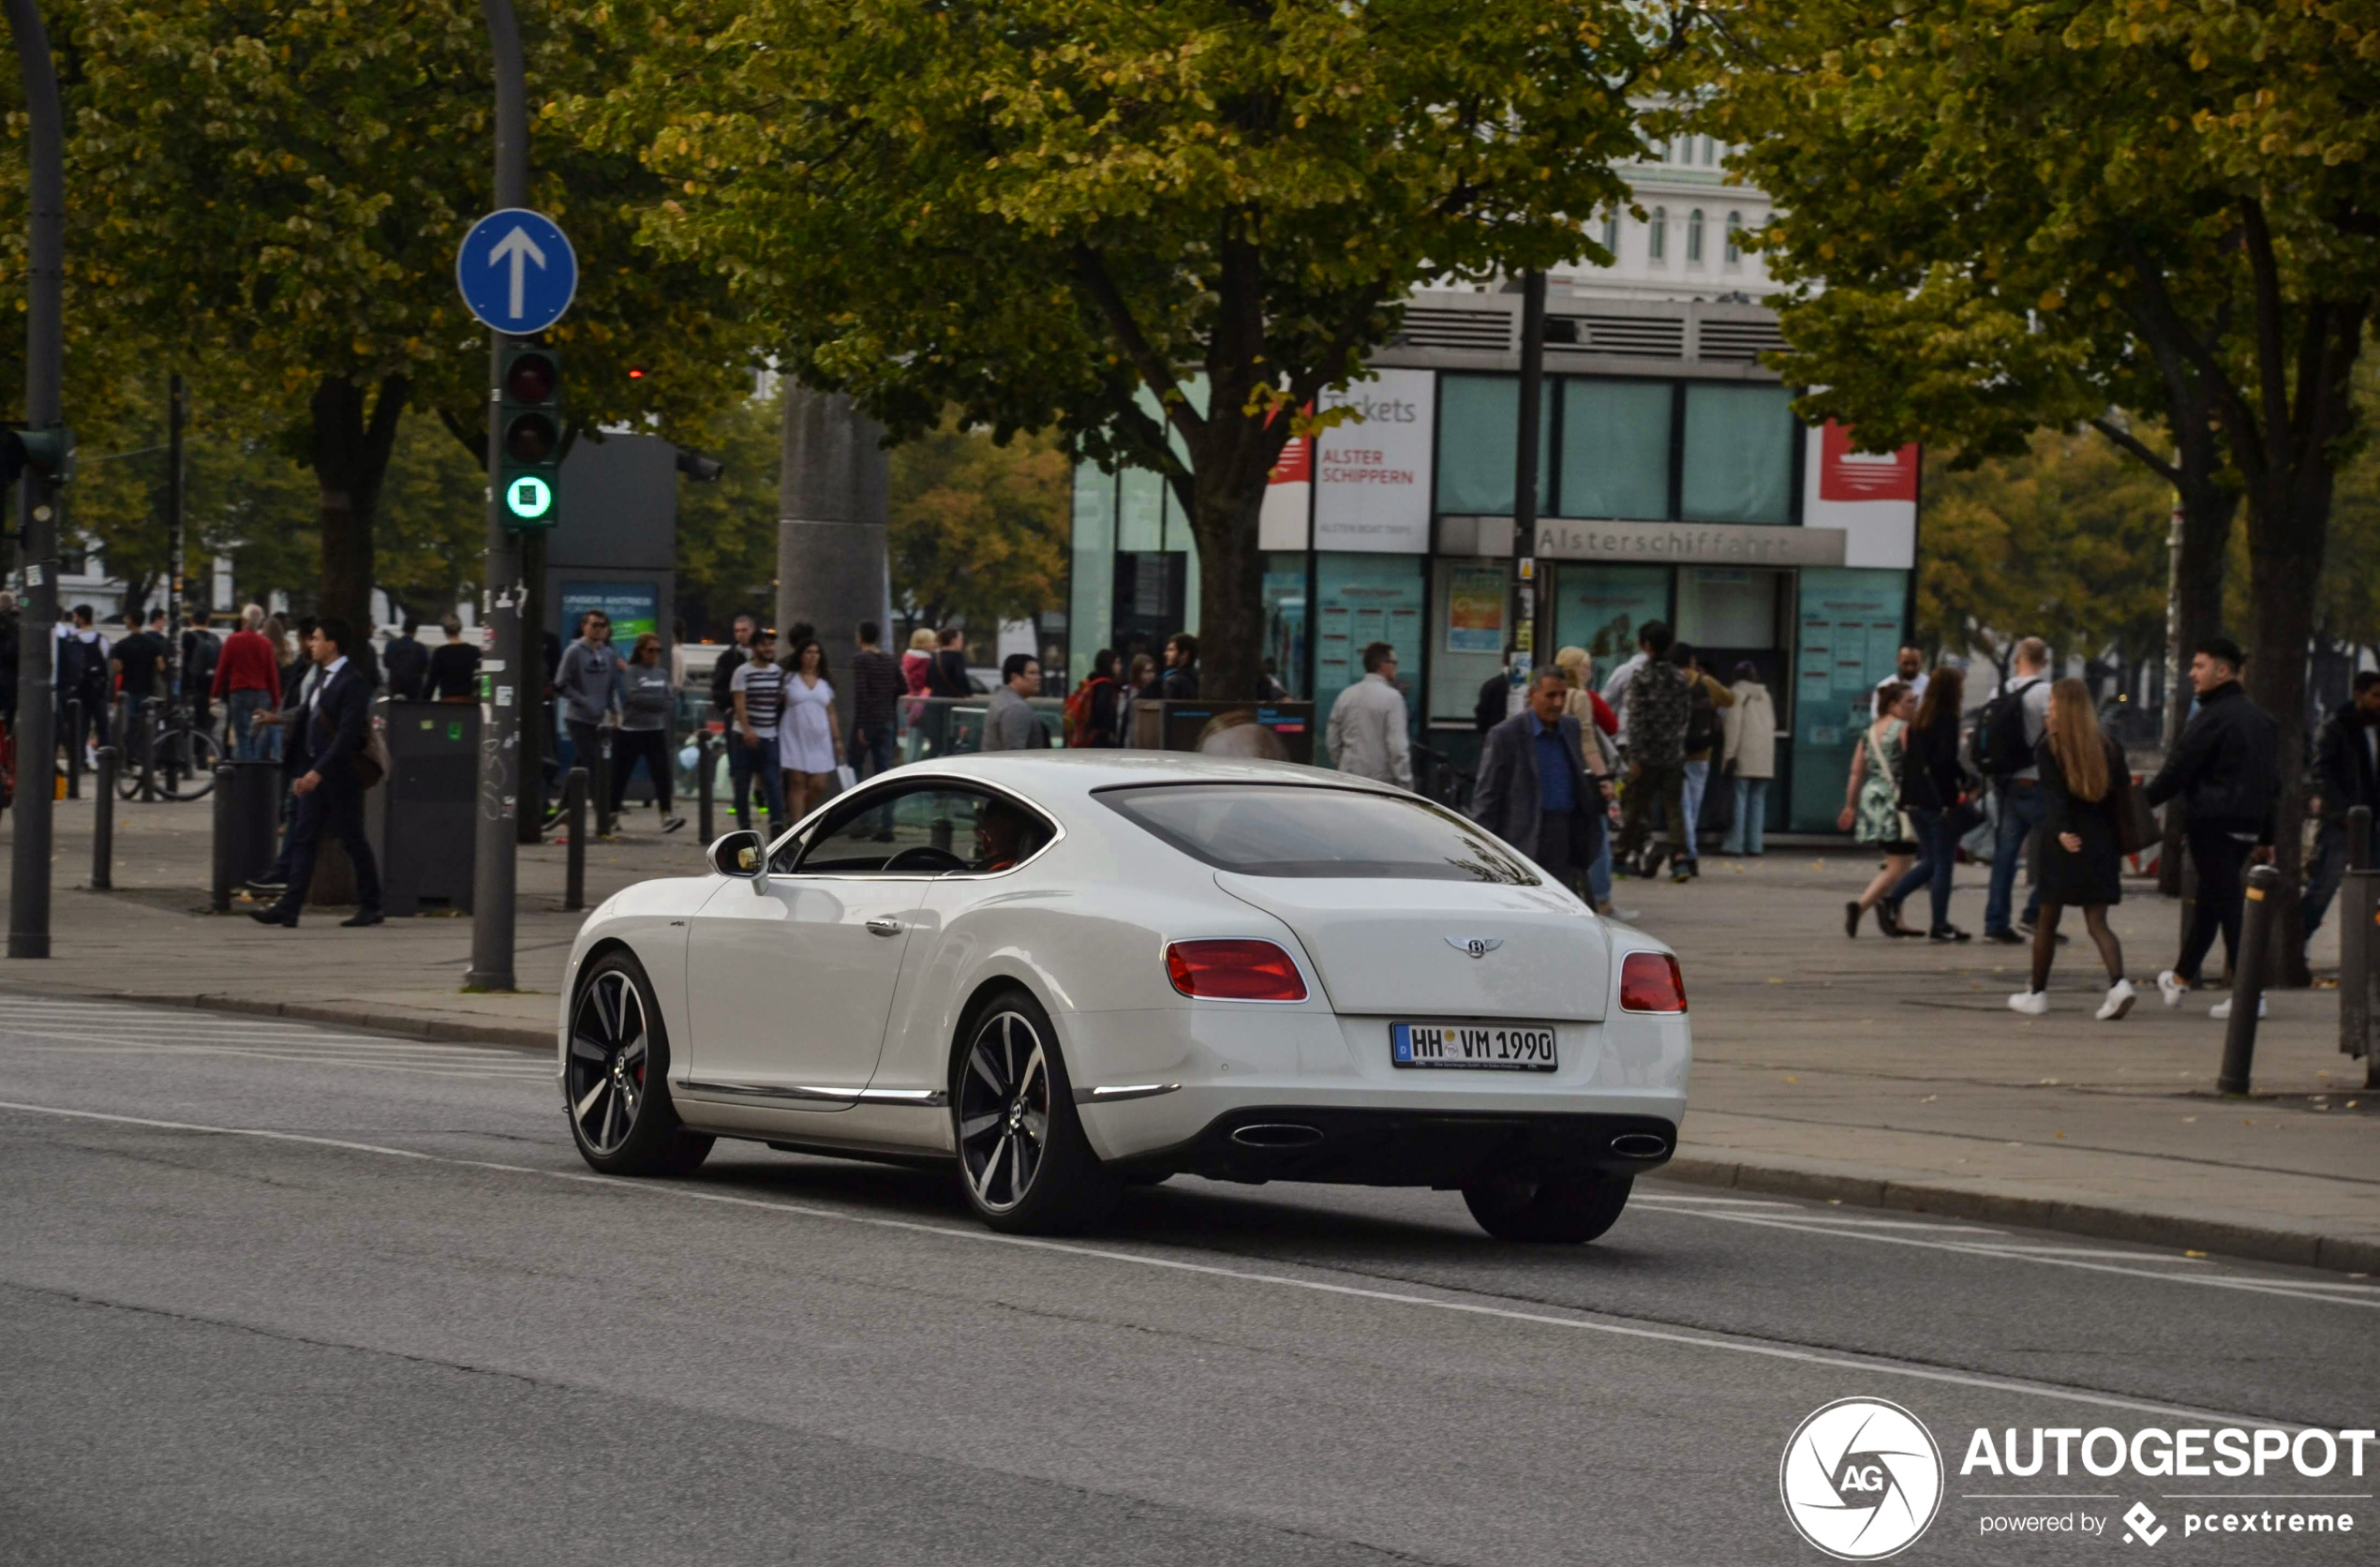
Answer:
(1860, 1479)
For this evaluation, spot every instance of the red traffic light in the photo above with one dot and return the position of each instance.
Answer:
(530, 378)
(636, 372)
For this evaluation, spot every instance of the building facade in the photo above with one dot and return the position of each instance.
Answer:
(1673, 483)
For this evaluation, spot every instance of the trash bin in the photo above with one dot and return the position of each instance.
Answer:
(421, 818)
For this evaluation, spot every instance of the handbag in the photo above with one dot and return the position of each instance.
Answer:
(371, 761)
(845, 778)
(2136, 823)
(1962, 818)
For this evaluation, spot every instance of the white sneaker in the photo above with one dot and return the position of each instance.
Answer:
(2120, 995)
(2172, 989)
(2032, 1003)
(2222, 1009)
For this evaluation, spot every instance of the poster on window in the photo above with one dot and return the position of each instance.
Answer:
(1371, 472)
(1474, 612)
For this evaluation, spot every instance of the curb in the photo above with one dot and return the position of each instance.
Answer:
(518, 1036)
(2302, 1249)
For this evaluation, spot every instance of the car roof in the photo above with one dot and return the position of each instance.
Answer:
(1075, 774)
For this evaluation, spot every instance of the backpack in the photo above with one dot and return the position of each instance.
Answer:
(1079, 706)
(1701, 721)
(2000, 746)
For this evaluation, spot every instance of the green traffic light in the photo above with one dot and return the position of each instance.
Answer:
(528, 497)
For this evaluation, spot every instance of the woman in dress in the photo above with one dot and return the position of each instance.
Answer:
(1871, 804)
(809, 737)
(2083, 779)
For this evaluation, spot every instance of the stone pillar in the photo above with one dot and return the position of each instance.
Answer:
(832, 493)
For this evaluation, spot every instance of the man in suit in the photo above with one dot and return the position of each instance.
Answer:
(325, 735)
(1534, 791)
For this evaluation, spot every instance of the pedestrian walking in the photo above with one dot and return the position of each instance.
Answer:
(1094, 711)
(2007, 733)
(1139, 685)
(948, 676)
(810, 737)
(454, 666)
(2346, 773)
(1654, 714)
(2226, 771)
(587, 683)
(1871, 807)
(248, 681)
(648, 700)
(2083, 784)
(1181, 682)
(1705, 698)
(1909, 669)
(1933, 785)
(1597, 728)
(1495, 695)
(138, 661)
(1615, 688)
(757, 690)
(1748, 755)
(1368, 735)
(876, 685)
(1009, 722)
(407, 663)
(325, 738)
(201, 650)
(1533, 789)
(917, 663)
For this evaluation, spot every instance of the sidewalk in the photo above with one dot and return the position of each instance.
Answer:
(1880, 1073)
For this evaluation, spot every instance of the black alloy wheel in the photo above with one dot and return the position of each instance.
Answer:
(615, 1078)
(1023, 1161)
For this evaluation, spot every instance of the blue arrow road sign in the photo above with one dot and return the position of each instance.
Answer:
(516, 271)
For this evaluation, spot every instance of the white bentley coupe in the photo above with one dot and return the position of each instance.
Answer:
(1060, 973)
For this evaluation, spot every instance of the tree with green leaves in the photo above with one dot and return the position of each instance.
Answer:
(980, 528)
(1031, 210)
(275, 190)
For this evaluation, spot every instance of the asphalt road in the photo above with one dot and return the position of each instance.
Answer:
(270, 1292)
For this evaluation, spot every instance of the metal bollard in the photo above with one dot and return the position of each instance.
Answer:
(575, 813)
(2248, 980)
(600, 782)
(2360, 838)
(103, 825)
(149, 750)
(706, 784)
(219, 885)
(74, 748)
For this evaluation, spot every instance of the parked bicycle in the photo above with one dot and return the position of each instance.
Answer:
(168, 755)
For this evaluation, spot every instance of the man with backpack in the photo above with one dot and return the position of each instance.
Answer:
(1093, 718)
(2006, 736)
(1652, 718)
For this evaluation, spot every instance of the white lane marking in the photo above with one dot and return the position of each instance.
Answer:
(1172, 1264)
(2290, 1287)
(2138, 1257)
(414, 1068)
(1728, 1201)
(1854, 1222)
(326, 1042)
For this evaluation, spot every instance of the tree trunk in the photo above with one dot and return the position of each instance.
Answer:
(2207, 508)
(349, 451)
(2282, 560)
(1230, 591)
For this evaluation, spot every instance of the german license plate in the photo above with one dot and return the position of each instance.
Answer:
(1481, 1047)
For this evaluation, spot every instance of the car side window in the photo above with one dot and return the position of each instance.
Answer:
(921, 830)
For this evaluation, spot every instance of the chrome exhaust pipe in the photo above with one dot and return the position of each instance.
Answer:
(1277, 1134)
(1640, 1145)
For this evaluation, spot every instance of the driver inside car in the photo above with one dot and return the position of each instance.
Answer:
(1004, 836)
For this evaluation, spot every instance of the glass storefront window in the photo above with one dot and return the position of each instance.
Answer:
(1142, 518)
(1284, 618)
(1603, 609)
(1739, 455)
(1848, 635)
(1359, 600)
(1728, 607)
(1470, 620)
(1092, 602)
(1616, 449)
(1478, 426)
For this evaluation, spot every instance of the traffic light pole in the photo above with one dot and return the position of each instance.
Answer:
(44, 377)
(505, 676)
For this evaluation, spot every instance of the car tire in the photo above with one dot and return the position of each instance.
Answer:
(1560, 1209)
(1025, 1165)
(616, 1076)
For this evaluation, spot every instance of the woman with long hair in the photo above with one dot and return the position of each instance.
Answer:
(1932, 780)
(810, 737)
(648, 700)
(2083, 780)
(1871, 803)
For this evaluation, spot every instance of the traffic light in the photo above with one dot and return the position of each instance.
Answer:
(47, 451)
(528, 459)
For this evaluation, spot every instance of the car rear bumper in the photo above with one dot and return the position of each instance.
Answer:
(1397, 1146)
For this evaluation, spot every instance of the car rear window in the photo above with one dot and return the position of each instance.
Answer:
(1257, 829)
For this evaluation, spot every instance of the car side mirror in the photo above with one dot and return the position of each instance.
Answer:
(741, 854)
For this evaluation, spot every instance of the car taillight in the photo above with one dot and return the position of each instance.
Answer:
(1234, 971)
(1650, 982)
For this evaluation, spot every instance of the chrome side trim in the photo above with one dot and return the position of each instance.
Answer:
(924, 1098)
(1110, 1093)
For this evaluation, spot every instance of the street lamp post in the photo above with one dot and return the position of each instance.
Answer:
(1525, 485)
(44, 382)
(505, 677)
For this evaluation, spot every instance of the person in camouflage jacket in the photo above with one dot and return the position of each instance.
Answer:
(1658, 702)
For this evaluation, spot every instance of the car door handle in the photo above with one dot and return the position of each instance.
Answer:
(884, 925)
